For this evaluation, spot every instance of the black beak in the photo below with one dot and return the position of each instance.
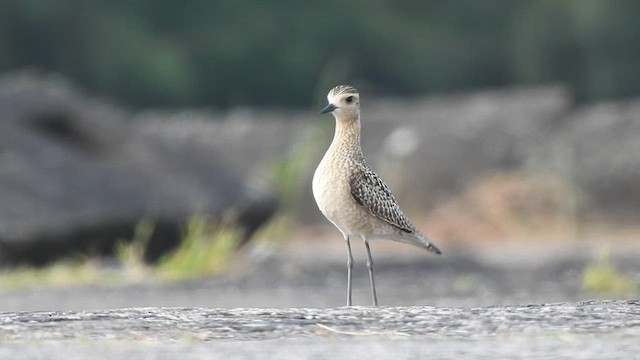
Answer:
(328, 108)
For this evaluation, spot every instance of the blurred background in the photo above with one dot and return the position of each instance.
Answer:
(165, 149)
(283, 54)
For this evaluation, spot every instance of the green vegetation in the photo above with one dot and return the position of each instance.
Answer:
(602, 277)
(175, 53)
(64, 273)
(287, 173)
(130, 254)
(206, 249)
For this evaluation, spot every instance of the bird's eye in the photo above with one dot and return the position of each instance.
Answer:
(349, 99)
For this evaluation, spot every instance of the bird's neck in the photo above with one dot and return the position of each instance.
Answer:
(347, 135)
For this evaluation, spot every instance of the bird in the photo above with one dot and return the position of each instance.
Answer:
(351, 195)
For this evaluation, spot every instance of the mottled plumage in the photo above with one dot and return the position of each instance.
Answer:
(374, 195)
(351, 195)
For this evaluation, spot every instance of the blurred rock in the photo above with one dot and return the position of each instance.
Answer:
(511, 205)
(458, 138)
(256, 138)
(433, 149)
(75, 177)
(426, 149)
(597, 148)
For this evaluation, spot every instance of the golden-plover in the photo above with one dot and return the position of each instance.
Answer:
(351, 195)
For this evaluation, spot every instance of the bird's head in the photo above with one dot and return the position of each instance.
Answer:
(344, 102)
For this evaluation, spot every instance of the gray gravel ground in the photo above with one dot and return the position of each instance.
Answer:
(585, 330)
(286, 306)
(511, 348)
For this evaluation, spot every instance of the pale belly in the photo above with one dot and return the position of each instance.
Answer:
(332, 193)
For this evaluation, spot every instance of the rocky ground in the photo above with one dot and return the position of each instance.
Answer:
(597, 329)
(509, 302)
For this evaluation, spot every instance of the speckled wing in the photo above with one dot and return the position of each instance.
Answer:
(368, 190)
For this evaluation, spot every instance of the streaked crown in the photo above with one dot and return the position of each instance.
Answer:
(342, 89)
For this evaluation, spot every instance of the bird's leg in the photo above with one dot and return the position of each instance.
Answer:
(370, 268)
(349, 269)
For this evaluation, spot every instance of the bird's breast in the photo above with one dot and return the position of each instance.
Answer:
(330, 183)
(332, 192)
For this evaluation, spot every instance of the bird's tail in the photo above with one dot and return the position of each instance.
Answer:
(423, 242)
(433, 248)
